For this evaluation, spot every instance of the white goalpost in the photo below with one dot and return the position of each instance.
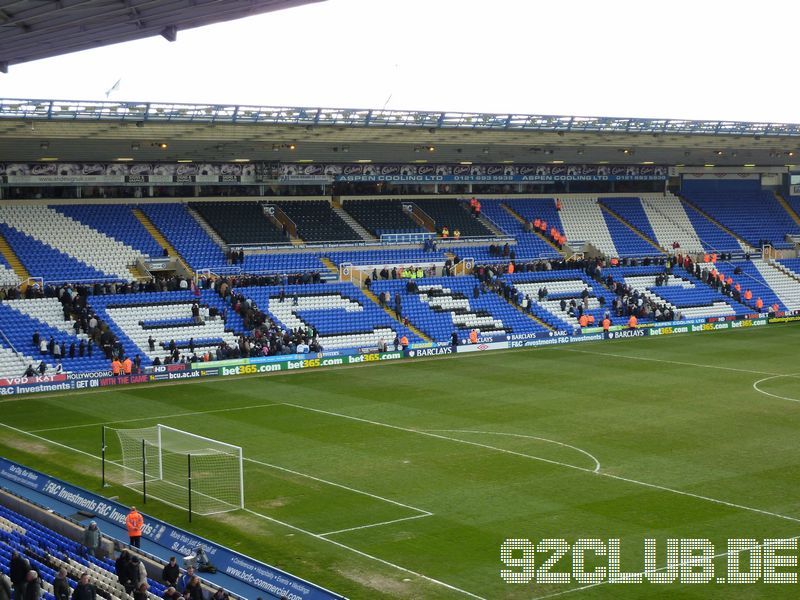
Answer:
(180, 468)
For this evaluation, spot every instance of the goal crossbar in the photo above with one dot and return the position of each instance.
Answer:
(181, 468)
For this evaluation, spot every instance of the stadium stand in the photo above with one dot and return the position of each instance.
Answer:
(382, 216)
(7, 275)
(114, 220)
(187, 236)
(453, 214)
(442, 305)
(529, 245)
(239, 222)
(736, 211)
(167, 316)
(35, 229)
(317, 222)
(47, 551)
(282, 263)
(41, 260)
(583, 221)
(565, 285)
(401, 257)
(670, 224)
(626, 241)
(342, 315)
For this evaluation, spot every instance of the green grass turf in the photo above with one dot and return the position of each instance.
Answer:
(699, 428)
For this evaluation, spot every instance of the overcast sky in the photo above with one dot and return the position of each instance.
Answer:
(711, 59)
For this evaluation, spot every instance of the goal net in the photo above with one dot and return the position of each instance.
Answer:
(182, 469)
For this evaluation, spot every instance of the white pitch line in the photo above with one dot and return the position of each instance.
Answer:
(365, 555)
(252, 460)
(530, 437)
(289, 525)
(381, 524)
(760, 391)
(690, 561)
(423, 513)
(172, 416)
(577, 468)
(671, 362)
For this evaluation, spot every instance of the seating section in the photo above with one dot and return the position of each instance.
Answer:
(784, 285)
(240, 222)
(529, 245)
(632, 211)
(453, 214)
(583, 221)
(749, 278)
(340, 312)
(48, 551)
(687, 297)
(447, 304)
(116, 221)
(317, 222)
(713, 237)
(564, 285)
(7, 275)
(387, 257)
(19, 320)
(382, 216)
(35, 229)
(187, 236)
(46, 262)
(133, 318)
(626, 241)
(737, 212)
(282, 263)
(13, 364)
(670, 223)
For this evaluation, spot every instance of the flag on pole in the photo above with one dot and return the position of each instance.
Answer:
(114, 88)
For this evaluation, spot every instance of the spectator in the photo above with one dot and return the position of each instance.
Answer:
(141, 591)
(5, 588)
(84, 590)
(194, 590)
(171, 572)
(32, 589)
(61, 588)
(18, 569)
(92, 538)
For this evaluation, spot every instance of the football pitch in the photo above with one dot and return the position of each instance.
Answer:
(404, 479)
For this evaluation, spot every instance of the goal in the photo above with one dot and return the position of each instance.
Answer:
(181, 468)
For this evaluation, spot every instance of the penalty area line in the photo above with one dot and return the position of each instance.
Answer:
(567, 465)
(293, 527)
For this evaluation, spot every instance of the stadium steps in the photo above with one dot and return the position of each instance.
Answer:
(784, 270)
(529, 315)
(513, 213)
(604, 208)
(390, 312)
(742, 242)
(353, 224)
(11, 257)
(487, 223)
(159, 237)
(329, 264)
(782, 201)
(207, 228)
(137, 273)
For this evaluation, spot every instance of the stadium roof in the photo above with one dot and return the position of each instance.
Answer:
(91, 130)
(34, 29)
